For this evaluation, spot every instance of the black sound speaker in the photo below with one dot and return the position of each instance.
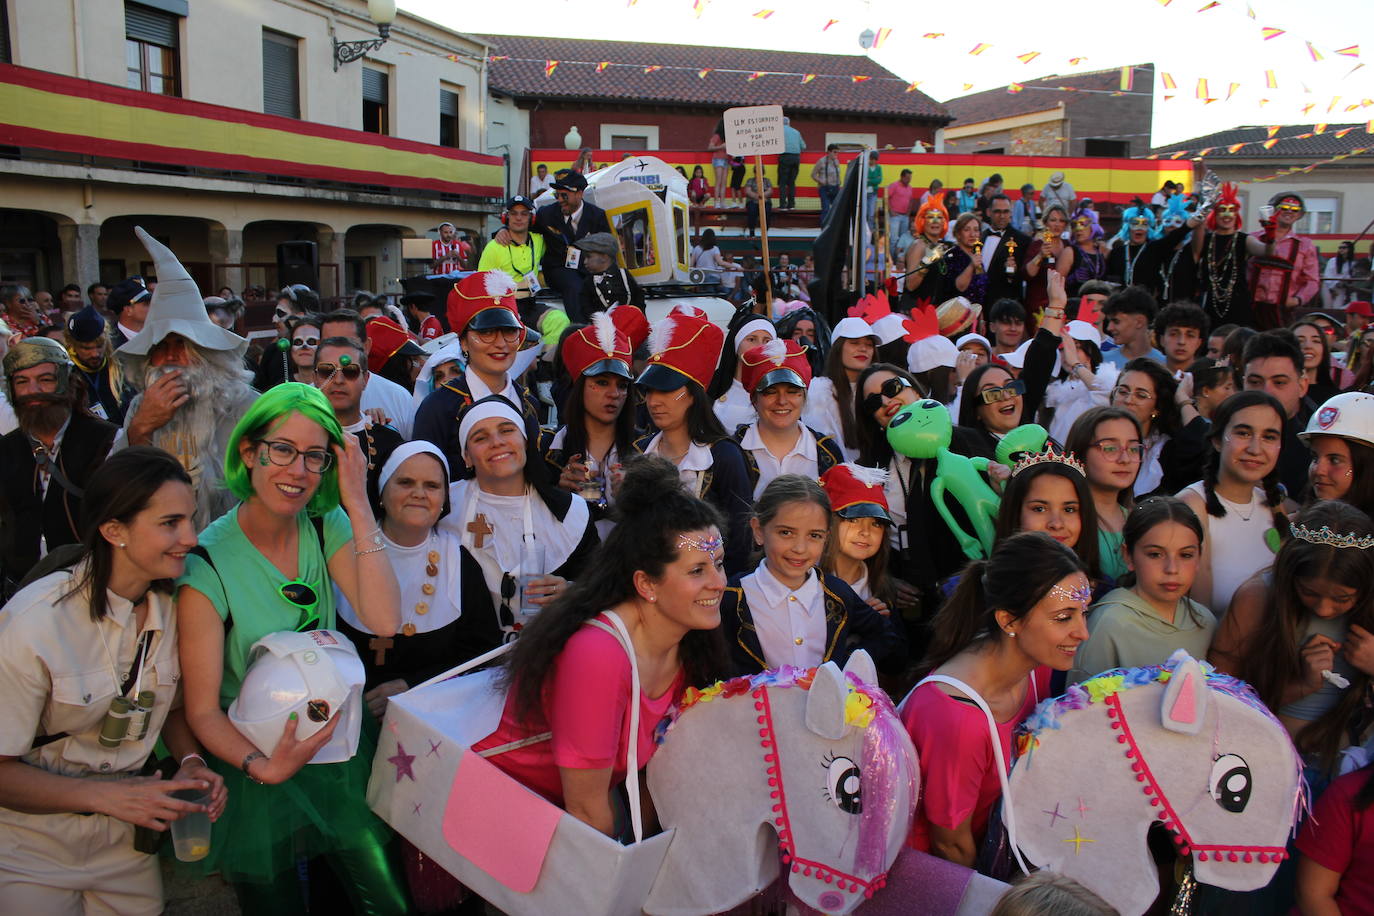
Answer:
(298, 262)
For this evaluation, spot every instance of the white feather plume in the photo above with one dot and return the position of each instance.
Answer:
(775, 349)
(498, 284)
(660, 335)
(869, 477)
(605, 331)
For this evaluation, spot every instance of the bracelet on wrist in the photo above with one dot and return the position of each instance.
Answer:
(195, 754)
(247, 760)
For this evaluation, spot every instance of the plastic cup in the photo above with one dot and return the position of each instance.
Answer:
(531, 568)
(191, 831)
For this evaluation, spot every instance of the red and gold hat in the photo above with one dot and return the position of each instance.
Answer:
(856, 491)
(773, 363)
(388, 339)
(684, 348)
(598, 349)
(630, 321)
(483, 301)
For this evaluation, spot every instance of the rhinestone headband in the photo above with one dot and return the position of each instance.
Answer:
(1081, 595)
(708, 545)
(1049, 456)
(1324, 535)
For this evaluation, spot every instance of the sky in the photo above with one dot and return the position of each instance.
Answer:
(1187, 39)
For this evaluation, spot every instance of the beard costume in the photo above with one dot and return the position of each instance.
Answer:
(217, 385)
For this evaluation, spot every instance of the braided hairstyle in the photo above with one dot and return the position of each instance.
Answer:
(1273, 491)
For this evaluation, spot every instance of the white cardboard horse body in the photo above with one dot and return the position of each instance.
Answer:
(1176, 744)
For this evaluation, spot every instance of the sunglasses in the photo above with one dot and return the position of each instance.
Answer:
(325, 371)
(305, 342)
(1013, 389)
(890, 389)
(504, 613)
(303, 596)
(1291, 208)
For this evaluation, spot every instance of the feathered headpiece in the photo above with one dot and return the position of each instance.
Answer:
(1228, 198)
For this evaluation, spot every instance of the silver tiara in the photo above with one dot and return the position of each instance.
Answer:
(1324, 535)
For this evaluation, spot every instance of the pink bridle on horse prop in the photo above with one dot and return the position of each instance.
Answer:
(811, 763)
(1176, 744)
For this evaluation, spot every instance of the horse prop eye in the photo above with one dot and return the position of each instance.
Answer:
(1231, 782)
(842, 784)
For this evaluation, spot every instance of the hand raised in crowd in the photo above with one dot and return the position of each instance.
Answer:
(146, 801)
(964, 364)
(290, 755)
(377, 415)
(1183, 394)
(1318, 655)
(195, 768)
(376, 697)
(574, 472)
(352, 474)
(1358, 648)
(158, 405)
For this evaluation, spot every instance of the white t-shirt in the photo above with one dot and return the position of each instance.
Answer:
(708, 259)
(394, 400)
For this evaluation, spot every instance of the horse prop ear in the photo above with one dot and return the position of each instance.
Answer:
(825, 702)
(1184, 707)
(861, 665)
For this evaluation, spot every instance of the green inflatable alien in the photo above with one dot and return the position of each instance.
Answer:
(924, 430)
(1030, 438)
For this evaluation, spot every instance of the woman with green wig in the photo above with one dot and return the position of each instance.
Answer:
(303, 526)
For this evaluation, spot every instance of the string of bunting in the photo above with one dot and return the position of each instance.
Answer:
(1269, 143)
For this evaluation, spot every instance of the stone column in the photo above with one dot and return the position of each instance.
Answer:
(331, 246)
(80, 253)
(226, 260)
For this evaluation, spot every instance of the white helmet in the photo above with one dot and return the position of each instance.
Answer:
(313, 674)
(1349, 415)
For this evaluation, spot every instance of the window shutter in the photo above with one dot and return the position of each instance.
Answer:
(374, 85)
(152, 26)
(448, 103)
(280, 75)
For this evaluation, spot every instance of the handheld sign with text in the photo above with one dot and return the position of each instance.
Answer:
(754, 131)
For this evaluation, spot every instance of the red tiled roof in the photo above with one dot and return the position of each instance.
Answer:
(576, 77)
(1042, 94)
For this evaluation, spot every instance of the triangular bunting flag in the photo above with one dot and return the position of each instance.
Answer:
(1269, 32)
(1249, 11)
(1232, 91)
(1316, 55)
(1213, 5)
(1274, 129)
(979, 49)
(1028, 56)
(1340, 134)
(860, 79)
(1269, 144)
(1127, 78)
(763, 14)
(808, 78)
(967, 86)
(1270, 80)
(755, 75)
(654, 68)
(1352, 51)
(1202, 88)
(1319, 129)
(911, 87)
(1334, 102)
(601, 67)
(933, 35)
(1014, 87)
(1180, 154)
(828, 24)
(701, 74)
(1168, 81)
(1235, 147)
(1075, 61)
(881, 37)
(549, 67)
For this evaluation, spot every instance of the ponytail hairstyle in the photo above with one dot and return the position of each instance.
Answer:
(1272, 656)
(651, 509)
(1273, 493)
(1083, 434)
(119, 489)
(1156, 511)
(1019, 574)
(844, 391)
(1018, 489)
(789, 488)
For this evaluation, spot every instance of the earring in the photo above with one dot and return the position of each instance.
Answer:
(1010, 633)
(122, 545)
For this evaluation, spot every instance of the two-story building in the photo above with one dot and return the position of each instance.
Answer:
(226, 129)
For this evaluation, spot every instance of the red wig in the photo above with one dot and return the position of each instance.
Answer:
(1228, 197)
(920, 221)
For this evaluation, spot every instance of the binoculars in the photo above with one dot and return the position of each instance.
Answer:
(127, 720)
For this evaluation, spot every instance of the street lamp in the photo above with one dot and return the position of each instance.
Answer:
(383, 13)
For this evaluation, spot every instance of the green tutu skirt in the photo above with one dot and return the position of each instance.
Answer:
(266, 830)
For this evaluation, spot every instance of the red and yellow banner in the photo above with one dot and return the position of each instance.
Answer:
(46, 111)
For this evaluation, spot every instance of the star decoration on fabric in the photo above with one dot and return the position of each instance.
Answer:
(403, 762)
(1054, 815)
(433, 748)
(417, 808)
(1078, 839)
(1082, 808)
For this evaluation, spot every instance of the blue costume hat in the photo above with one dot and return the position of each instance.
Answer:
(86, 325)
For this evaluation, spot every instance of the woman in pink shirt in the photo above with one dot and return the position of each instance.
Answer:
(1013, 619)
(660, 572)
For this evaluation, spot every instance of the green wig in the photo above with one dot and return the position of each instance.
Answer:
(266, 413)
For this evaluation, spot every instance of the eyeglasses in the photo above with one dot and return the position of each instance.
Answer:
(890, 389)
(283, 454)
(303, 596)
(1123, 393)
(301, 343)
(1013, 389)
(1113, 452)
(325, 371)
(489, 335)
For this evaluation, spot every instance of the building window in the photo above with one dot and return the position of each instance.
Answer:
(851, 141)
(1321, 218)
(5, 34)
(281, 76)
(375, 95)
(1112, 149)
(450, 118)
(629, 136)
(992, 151)
(151, 50)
